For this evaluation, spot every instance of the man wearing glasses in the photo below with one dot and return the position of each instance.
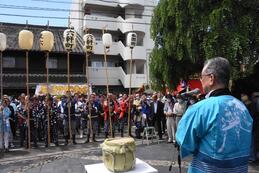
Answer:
(217, 130)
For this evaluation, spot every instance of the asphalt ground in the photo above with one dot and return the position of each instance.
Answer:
(72, 158)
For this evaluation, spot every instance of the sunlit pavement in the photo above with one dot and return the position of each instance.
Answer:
(72, 158)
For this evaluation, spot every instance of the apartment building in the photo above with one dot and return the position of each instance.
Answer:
(117, 17)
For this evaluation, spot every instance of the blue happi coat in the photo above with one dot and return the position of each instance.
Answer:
(217, 132)
(4, 120)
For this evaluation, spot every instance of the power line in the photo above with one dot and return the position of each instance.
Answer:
(33, 8)
(66, 2)
(4, 6)
(60, 2)
(62, 18)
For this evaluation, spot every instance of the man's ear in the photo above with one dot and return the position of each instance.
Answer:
(212, 80)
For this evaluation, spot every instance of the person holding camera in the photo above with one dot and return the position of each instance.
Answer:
(170, 119)
(217, 130)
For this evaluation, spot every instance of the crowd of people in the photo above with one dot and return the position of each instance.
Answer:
(48, 117)
(162, 112)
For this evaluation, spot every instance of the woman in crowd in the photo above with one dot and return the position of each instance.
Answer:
(5, 128)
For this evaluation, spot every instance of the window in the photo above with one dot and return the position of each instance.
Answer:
(140, 67)
(138, 14)
(98, 38)
(87, 11)
(53, 63)
(20, 62)
(110, 64)
(8, 62)
(62, 63)
(97, 64)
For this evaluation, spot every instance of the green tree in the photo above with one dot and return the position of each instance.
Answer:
(187, 32)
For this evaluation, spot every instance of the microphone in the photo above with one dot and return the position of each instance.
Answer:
(191, 93)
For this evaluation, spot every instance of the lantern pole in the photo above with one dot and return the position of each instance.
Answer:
(69, 95)
(1, 80)
(28, 99)
(68, 88)
(129, 116)
(26, 43)
(48, 103)
(49, 37)
(88, 47)
(107, 86)
(131, 42)
(88, 91)
(1, 71)
(28, 95)
(3, 47)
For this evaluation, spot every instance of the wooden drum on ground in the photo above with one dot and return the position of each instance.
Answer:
(119, 154)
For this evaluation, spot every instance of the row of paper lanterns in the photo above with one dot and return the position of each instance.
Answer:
(25, 40)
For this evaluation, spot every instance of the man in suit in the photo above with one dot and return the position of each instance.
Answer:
(157, 114)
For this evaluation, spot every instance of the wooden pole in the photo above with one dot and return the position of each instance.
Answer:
(107, 87)
(1, 71)
(1, 80)
(28, 99)
(69, 95)
(1, 97)
(48, 104)
(88, 91)
(107, 90)
(129, 109)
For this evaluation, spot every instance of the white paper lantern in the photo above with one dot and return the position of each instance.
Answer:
(2, 41)
(89, 43)
(131, 39)
(25, 40)
(46, 41)
(69, 39)
(107, 40)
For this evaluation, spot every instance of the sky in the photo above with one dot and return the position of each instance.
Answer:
(34, 3)
(8, 8)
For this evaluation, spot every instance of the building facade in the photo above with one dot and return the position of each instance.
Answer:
(14, 61)
(117, 17)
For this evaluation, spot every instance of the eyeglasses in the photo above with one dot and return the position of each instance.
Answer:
(202, 75)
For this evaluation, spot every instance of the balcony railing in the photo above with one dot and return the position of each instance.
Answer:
(116, 76)
(113, 24)
(15, 80)
(118, 48)
(114, 3)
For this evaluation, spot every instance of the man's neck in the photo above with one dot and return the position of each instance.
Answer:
(219, 92)
(215, 87)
